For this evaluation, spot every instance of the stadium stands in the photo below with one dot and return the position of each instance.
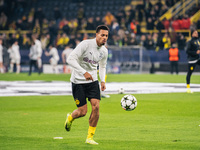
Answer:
(135, 22)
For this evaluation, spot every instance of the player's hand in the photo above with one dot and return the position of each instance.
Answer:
(88, 76)
(103, 86)
(198, 51)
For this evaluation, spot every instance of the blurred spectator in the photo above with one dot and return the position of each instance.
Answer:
(180, 21)
(115, 27)
(97, 21)
(20, 25)
(155, 41)
(73, 25)
(166, 23)
(163, 10)
(121, 14)
(45, 41)
(108, 18)
(85, 36)
(3, 21)
(186, 22)
(57, 14)
(90, 24)
(133, 40)
(45, 26)
(148, 43)
(62, 41)
(36, 28)
(133, 26)
(142, 40)
(26, 43)
(172, 35)
(80, 16)
(123, 24)
(72, 41)
(150, 24)
(160, 25)
(39, 15)
(166, 40)
(175, 24)
(181, 42)
(83, 24)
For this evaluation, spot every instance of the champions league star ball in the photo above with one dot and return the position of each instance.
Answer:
(128, 102)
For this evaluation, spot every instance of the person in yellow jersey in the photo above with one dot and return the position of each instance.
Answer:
(193, 51)
(84, 60)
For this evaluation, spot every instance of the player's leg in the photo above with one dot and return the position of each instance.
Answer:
(80, 112)
(11, 65)
(39, 62)
(191, 68)
(30, 67)
(18, 66)
(176, 67)
(1, 67)
(171, 64)
(78, 91)
(93, 120)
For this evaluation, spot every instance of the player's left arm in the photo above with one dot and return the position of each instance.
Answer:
(102, 71)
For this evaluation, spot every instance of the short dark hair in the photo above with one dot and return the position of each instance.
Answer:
(102, 27)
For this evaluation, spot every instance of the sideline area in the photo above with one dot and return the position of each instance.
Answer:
(27, 88)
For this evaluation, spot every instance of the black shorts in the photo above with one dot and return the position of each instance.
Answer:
(82, 91)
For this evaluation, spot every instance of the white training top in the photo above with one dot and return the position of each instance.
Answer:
(33, 53)
(66, 52)
(15, 52)
(38, 47)
(85, 58)
(1, 53)
(54, 53)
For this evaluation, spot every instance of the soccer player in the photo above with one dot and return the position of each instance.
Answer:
(33, 55)
(38, 47)
(65, 55)
(193, 51)
(16, 57)
(55, 57)
(84, 60)
(1, 56)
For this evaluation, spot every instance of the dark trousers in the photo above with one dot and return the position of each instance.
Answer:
(191, 67)
(32, 63)
(174, 64)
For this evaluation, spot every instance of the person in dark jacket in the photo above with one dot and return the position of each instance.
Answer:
(193, 51)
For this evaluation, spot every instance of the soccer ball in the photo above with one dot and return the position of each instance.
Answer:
(121, 91)
(128, 102)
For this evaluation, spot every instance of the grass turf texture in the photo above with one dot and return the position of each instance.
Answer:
(160, 121)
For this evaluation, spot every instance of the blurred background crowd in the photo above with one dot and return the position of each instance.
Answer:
(67, 22)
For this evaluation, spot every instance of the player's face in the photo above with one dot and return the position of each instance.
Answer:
(195, 34)
(101, 37)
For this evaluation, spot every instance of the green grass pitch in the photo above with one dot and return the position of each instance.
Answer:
(169, 121)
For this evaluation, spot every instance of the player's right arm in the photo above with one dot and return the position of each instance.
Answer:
(74, 58)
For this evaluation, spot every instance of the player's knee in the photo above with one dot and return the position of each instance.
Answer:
(95, 108)
(83, 112)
